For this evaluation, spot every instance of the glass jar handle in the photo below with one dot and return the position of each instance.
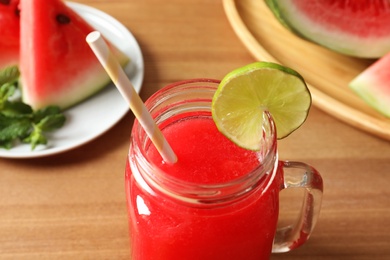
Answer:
(300, 175)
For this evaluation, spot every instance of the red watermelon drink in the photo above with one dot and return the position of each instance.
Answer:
(219, 201)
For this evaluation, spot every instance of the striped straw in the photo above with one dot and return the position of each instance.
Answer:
(121, 81)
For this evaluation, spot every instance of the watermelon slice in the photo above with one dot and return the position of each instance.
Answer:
(373, 85)
(358, 28)
(56, 63)
(9, 33)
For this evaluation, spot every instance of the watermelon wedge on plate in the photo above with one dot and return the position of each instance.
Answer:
(9, 33)
(57, 65)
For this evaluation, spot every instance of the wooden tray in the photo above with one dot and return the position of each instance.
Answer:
(327, 73)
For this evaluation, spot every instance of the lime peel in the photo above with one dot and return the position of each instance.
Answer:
(246, 93)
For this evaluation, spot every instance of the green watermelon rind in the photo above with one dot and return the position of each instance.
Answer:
(352, 45)
(92, 80)
(87, 87)
(373, 85)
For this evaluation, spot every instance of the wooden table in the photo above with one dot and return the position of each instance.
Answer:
(72, 205)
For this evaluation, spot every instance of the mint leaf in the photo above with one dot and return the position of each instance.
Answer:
(9, 75)
(6, 91)
(6, 144)
(51, 122)
(44, 112)
(13, 128)
(8, 84)
(16, 109)
(36, 137)
(18, 121)
(45, 120)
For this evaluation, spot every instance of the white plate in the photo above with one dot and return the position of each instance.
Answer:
(98, 114)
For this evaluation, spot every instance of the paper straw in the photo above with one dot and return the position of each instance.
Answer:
(125, 87)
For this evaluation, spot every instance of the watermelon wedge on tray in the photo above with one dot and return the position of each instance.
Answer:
(57, 65)
(373, 85)
(9, 33)
(358, 28)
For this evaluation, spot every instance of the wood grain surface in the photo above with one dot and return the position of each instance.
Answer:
(73, 206)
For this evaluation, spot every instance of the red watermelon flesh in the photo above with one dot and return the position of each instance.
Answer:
(358, 28)
(373, 85)
(9, 33)
(56, 63)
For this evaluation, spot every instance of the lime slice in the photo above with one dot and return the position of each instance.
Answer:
(246, 93)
